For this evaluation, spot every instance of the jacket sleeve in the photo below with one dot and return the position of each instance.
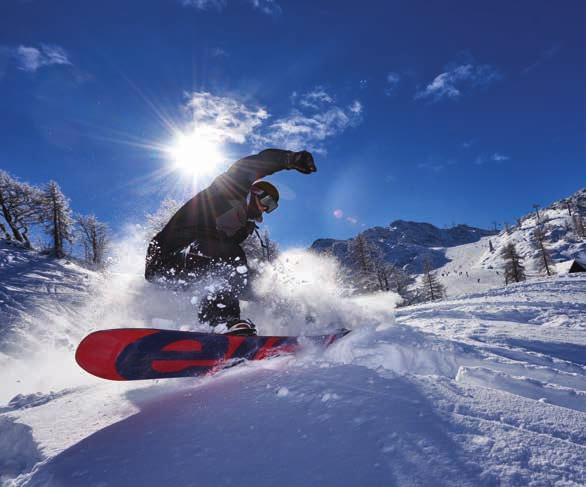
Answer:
(235, 183)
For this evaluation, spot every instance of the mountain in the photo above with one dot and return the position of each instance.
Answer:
(408, 244)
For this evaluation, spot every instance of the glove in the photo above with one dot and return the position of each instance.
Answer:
(302, 162)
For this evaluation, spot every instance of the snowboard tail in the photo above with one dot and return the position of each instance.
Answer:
(146, 353)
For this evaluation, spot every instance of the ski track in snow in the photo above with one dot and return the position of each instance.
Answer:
(487, 388)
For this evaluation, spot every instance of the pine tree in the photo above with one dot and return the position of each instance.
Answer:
(399, 282)
(94, 237)
(362, 262)
(430, 289)
(544, 262)
(514, 269)
(18, 207)
(55, 215)
(490, 246)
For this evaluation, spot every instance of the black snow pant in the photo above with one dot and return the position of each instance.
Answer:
(220, 265)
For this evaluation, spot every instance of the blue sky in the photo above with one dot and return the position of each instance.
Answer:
(446, 112)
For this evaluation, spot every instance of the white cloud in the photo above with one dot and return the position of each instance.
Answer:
(218, 52)
(269, 7)
(496, 157)
(352, 219)
(393, 80)
(449, 85)
(205, 4)
(545, 56)
(315, 99)
(224, 119)
(431, 166)
(31, 59)
(309, 128)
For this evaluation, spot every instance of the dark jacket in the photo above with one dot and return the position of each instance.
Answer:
(218, 212)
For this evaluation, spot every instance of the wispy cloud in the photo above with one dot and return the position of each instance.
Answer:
(31, 59)
(307, 126)
(431, 166)
(495, 157)
(268, 7)
(316, 118)
(545, 56)
(452, 83)
(393, 80)
(315, 99)
(218, 52)
(205, 4)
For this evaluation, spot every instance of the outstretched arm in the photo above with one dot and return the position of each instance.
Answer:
(237, 180)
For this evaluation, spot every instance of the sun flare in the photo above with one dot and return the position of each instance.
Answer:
(195, 154)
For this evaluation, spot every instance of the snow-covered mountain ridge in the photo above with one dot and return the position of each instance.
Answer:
(409, 244)
(479, 390)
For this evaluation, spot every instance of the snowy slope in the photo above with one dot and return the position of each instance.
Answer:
(484, 389)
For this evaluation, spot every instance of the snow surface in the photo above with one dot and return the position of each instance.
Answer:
(480, 389)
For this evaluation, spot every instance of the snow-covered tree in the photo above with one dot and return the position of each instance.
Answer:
(544, 262)
(578, 225)
(157, 220)
(94, 237)
(260, 247)
(430, 289)
(18, 206)
(55, 215)
(514, 269)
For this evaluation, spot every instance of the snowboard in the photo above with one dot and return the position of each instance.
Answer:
(148, 353)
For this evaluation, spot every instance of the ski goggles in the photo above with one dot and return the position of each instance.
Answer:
(268, 202)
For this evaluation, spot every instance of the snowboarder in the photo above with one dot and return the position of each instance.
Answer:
(203, 238)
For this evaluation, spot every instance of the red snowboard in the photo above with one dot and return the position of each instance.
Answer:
(147, 353)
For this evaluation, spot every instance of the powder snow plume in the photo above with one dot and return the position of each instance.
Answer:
(299, 293)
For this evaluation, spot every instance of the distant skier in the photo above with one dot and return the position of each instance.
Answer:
(203, 238)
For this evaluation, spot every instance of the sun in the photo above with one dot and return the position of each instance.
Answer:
(195, 154)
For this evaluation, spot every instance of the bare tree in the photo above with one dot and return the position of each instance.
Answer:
(536, 208)
(430, 289)
(55, 215)
(569, 207)
(514, 269)
(94, 237)
(19, 207)
(544, 262)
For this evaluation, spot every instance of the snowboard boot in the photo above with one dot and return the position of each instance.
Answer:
(240, 327)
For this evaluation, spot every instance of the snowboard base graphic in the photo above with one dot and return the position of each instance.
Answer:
(147, 353)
